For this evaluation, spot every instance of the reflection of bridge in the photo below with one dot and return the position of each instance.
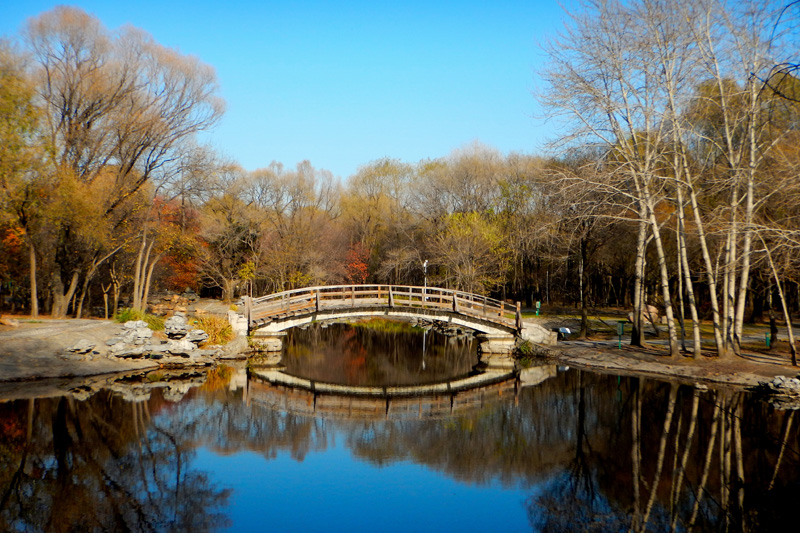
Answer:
(303, 397)
(499, 323)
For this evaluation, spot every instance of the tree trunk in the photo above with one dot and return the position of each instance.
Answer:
(665, 291)
(34, 292)
(786, 315)
(683, 258)
(637, 333)
(584, 332)
(61, 299)
(149, 279)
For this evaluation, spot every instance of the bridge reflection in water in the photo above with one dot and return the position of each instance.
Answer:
(299, 396)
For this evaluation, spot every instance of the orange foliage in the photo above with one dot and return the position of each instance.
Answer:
(184, 272)
(357, 268)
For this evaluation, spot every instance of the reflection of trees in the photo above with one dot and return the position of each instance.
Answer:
(598, 453)
(359, 356)
(81, 466)
(695, 463)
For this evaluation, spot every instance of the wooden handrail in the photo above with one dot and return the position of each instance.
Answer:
(331, 296)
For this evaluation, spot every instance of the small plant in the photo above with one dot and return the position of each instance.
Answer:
(219, 330)
(156, 323)
(234, 308)
(127, 314)
(525, 349)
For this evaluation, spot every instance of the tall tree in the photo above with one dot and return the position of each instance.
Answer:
(115, 105)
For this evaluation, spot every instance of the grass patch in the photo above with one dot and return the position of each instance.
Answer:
(156, 323)
(219, 330)
(387, 326)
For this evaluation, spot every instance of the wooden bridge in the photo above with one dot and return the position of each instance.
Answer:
(498, 322)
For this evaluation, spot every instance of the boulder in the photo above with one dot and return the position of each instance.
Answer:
(181, 347)
(537, 334)
(81, 347)
(142, 335)
(197, 336)
(176, 327)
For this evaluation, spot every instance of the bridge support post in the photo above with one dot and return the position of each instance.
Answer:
(269, 343)
(496, 350)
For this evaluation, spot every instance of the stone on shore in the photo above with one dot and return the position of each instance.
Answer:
(197, 336)
(176, 327)
(81, 347)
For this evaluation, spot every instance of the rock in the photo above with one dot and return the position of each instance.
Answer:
(128, 352)
(181, 347)
(134, 324)
(538, 335)
(9, 322)
(238, 346)
(175, 326)
(196, 336)
(113, 341)
(81, 347)
(142, 335)
(157, 348)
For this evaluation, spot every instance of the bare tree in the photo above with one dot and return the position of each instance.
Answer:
(118, 106)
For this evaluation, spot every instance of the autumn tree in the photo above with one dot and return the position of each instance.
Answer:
(24, 195)
(117, 109)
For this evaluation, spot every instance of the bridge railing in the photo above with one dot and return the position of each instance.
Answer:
(310, 299)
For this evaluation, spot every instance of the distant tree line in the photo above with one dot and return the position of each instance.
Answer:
(674, 184)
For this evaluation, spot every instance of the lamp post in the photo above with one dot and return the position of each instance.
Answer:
(425, 286)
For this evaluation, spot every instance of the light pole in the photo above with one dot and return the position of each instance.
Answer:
(425, 273)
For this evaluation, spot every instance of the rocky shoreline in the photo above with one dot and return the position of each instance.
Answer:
(35, 350)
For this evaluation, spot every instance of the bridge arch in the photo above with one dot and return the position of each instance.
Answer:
(499, 323)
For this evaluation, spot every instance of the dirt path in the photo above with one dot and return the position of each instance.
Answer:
(37, 349)
(740, 371)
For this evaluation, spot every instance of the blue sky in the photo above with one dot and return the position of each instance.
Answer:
(344, 83)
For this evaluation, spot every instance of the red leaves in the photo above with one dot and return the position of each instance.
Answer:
(357, 267)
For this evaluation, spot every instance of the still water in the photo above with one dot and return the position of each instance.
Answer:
(557, 450)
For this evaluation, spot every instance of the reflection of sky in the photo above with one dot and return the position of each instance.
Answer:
(331, 490)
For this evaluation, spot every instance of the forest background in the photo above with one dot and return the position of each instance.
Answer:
(674, 182)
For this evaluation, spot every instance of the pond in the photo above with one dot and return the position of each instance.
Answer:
(550, 450)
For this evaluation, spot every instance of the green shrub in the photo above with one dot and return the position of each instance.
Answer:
(156, 323)
(127, 314)
(218, 328)
(525, 348)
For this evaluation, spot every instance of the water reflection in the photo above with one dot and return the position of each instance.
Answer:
(592, 452)
(102, 464)
(362, 356)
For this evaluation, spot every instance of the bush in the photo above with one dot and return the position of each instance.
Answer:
(218, 328)
(156, 323)
(127, 314)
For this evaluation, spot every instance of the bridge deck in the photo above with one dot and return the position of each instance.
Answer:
(261, 311)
